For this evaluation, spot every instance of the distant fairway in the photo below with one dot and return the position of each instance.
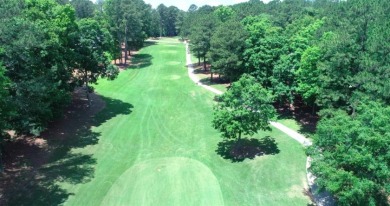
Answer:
(163, 152)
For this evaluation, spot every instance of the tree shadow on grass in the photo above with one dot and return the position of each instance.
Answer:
(149, 43)
(140, 61)
(216, 80)
(200, 70)
(239, 150)
(305, 115)
(35, 167)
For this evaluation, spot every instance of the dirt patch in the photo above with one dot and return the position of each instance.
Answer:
(122, 64)
(33, 164)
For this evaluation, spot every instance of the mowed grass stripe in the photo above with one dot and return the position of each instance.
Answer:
(137, 186)
(169, 127)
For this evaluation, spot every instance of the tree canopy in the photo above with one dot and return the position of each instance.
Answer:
(244, 109)
(351, 154)
(226, 48)
(47, 49)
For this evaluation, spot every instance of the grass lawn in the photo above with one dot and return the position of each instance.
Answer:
(290, 123)
(156, 145)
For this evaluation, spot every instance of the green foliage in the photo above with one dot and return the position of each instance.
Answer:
(195, 17)
(351, 154)
(91, 61)
(201, 34)
(249, 8)
(308, 74)
(263, 48)
(83, 8)
(283, 78)
(244, 109)
(227, 47)
(154, 29)
(338, 66)
(225, 13)
(168, 19)
(38, 44)
(5, 107)
(130, 22)
(43, 50)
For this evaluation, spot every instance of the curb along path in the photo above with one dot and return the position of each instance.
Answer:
(321, 199)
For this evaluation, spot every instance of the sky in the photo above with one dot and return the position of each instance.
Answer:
(185, 4)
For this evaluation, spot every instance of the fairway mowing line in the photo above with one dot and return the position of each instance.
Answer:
(146, 140)
(321, 199)
(163, 130)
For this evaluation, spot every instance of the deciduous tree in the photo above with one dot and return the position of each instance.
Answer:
(92, 62)
(263, 48)
(244, 109)
(350, 156)
(38, 44)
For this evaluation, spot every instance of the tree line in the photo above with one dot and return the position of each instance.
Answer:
(48, 48)
(333, 55)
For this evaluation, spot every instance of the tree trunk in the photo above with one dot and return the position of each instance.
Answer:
(198, 59)
(161, 29)
(120, 49)
(204, 63)
(291, 101)
(1, 158)
(239, 135)
(314, 109)
(87, 88)
(211, 77)
(125, 44)
(125, 52)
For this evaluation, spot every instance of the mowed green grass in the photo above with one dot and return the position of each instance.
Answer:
(163, 152)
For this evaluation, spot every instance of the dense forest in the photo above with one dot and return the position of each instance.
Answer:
(331, 55)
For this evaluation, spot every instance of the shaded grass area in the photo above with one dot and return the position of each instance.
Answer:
(34, 167)
(301, 118)
(238, 150)
(217, 83)
(124, 65)
(139, 61)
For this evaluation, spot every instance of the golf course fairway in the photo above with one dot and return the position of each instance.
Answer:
(156, 145)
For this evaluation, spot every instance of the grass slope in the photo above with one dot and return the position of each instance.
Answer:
(160, 149)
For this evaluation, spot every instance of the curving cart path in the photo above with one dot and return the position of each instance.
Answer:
(321, 199)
